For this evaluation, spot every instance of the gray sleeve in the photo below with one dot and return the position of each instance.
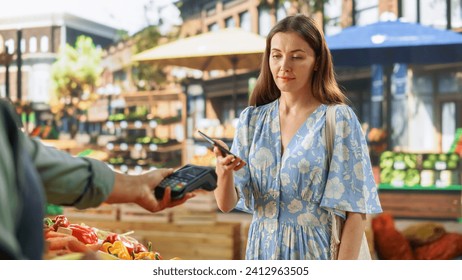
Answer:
(75, 181)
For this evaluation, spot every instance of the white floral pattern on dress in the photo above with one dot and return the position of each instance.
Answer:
(289, 194)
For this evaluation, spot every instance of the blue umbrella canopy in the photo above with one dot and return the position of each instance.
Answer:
(389, 42)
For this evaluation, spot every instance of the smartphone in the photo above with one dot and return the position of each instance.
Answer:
(223, 150)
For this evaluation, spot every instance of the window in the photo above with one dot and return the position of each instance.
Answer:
(367, 12)
(33, 44)
(10, 45)
(229, 22)
(264, 21)
(23, 45)
(422, 85)
(410, 10)
(332, 13)
(362, 5)
(44, 44)
(281, 12)
(119, 76)
(422, 122)
(449, 82)
(213, 27)
(456, 14)
(244, 19)
(421, 115)
(448, 125)
(433, 13)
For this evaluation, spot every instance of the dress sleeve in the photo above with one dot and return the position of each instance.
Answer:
(241, 147)
(350, 182)
(68, 180)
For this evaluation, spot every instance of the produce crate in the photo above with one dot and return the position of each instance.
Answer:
(103, 212)
(220, 241)
(410, 170)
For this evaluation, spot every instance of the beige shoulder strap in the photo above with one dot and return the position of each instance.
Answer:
(330, 131)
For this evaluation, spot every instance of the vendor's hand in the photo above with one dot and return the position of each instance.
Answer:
(139, 189)
(150, 203)
(167, 201)
(226, 164)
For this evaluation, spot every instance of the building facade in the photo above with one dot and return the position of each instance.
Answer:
(34, 43)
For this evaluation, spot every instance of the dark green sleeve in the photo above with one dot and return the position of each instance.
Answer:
(9, 199)
(68, 180)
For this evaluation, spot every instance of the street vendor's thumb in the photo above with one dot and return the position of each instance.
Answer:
(156, 176)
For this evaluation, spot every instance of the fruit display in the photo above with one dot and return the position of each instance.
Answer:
(440, 161)
(426, 170)
(399, 169)
(63, 238)
(135, 113)
(456, 146)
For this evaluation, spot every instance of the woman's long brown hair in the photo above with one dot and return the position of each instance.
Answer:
(324, 86)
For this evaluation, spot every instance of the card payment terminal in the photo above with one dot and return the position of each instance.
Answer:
(186, 179)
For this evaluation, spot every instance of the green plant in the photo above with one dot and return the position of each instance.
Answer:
(74, 78)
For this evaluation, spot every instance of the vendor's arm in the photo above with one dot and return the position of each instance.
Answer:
(85, 182)
(68, 180)
(9, 198)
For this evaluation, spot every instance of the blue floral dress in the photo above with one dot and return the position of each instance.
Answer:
(289, 193)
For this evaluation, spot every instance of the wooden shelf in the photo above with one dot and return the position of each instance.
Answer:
(148, 97)
(163, 105)
(159, 148)
(423, 203)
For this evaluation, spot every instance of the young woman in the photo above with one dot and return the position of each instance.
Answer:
(287, 183)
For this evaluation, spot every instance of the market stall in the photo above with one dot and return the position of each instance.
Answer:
(141, 240)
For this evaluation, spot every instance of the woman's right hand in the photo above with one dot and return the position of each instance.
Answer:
(226, 164)
(225, 193)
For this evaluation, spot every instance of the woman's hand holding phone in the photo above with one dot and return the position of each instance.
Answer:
(228, 161)
(225, 158)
